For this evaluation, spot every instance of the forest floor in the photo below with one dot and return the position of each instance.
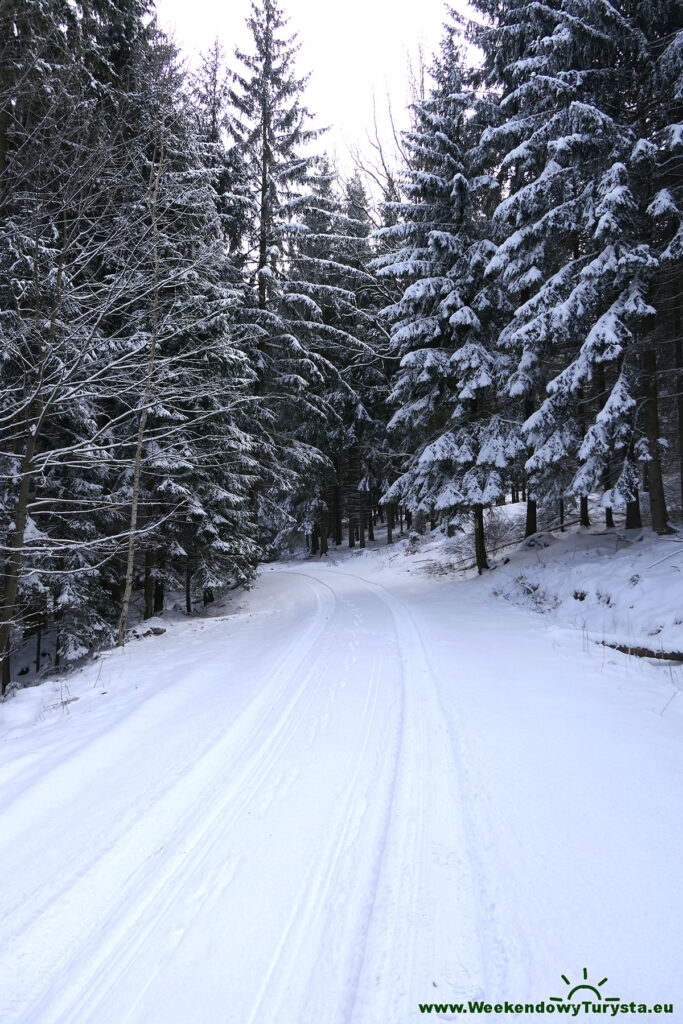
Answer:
(372, 782)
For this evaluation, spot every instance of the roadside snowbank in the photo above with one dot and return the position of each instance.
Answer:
(615, 586)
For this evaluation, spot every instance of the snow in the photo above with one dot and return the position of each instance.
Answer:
(368, 783)
(614, 586)
(663, 205)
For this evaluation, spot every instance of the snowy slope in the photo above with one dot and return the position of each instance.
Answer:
(360, 789)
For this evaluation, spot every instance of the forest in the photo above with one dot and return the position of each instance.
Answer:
(215, 345)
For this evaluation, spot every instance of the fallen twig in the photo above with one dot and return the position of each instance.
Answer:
(643, 652)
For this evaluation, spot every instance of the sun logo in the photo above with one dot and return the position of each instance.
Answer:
(584, 987)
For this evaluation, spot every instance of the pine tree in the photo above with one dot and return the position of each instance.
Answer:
(191, 465)
(112, 247)
(573, 148)
(369, 372)
(286, 337)
(663, 108)
(457, 446)
(59, 190)
(211, 102)
(332, 270)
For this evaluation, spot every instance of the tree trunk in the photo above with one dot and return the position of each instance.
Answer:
(153, 193)
(338, 532)
(561, 515)
(4, 122)
(264, 212)
(39, 640)
(679, 391)
(188, 587)
(13, 565)
(607, 475)
(371, 525)
(58, 652)
(390, 524)
(361, 518)
(254, 518)
(658, 511)
(633, 517)
(149, 585)
(531, 518)
(315, 534)
(323, 533)
(584, 518)
(480, 539)
(6, 669)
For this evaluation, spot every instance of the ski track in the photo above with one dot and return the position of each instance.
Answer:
(388, 895)
(319, 852)
(505, 954)
(140, 837)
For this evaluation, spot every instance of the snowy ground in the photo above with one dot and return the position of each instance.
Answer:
(367, 785)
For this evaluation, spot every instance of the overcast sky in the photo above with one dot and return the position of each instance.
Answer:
(354, 49)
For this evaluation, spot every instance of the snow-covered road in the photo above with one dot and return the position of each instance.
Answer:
(361, 793)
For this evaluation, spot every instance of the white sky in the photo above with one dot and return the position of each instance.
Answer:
(355, 49)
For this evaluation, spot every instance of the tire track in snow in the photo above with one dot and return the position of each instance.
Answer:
(314, 972)
(505, 950)
(392, 903)
(314, 964)
(422, 930)
(17, 786)
(222, 754)
(321, 936)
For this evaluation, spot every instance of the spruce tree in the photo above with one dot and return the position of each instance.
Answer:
(457, 447)
(332, 270)
(191, 464)
(59, 190)
(111, 238)
(282, 324)
(575, 156)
